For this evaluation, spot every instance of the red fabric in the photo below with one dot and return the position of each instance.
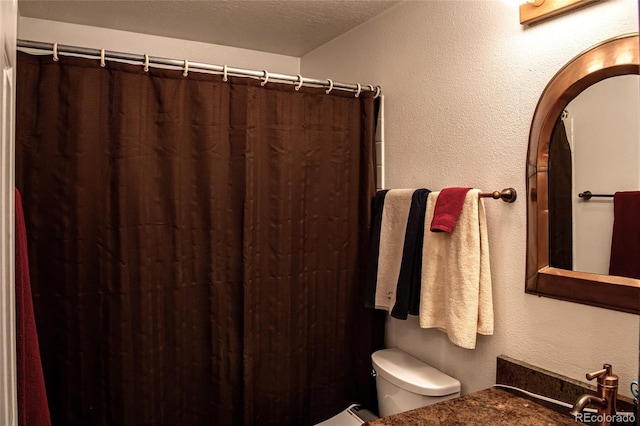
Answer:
(33, 409)
(625, 242)
(448, 208)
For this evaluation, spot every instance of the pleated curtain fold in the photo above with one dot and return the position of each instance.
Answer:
(197, 247)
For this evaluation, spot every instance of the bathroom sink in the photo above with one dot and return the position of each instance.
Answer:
(622, 419)
(489, 406)
(550, 404)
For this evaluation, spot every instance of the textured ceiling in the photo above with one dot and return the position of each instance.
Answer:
(289, 27)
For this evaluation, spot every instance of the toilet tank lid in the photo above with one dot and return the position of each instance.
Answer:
(411, 374)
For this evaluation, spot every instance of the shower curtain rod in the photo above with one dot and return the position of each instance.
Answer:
(146, 60)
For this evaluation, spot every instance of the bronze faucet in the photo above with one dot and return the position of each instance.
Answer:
(605, 401)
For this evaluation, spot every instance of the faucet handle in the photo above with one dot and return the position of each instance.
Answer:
(605, 376)
(607, 370)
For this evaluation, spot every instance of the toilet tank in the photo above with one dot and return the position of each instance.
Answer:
(404, 382)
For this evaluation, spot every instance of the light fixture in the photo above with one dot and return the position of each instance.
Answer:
(536, 10)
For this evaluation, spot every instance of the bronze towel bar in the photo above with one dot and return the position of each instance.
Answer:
(508, 195)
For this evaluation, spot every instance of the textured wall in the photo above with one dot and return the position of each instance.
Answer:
(124, 41)
(461, 81)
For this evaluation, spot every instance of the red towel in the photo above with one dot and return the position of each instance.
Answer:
(448, 208)
(625, 241)
(33, 409)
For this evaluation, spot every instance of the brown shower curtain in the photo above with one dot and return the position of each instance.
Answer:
(197, 247)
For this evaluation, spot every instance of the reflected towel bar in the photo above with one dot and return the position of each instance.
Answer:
(587, 195)
(508, 195)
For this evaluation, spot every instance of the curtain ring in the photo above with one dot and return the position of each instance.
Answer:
(186, 68)
(330, 86)
(300, 81)
(358, 92)
(55, 52)
(266, 78)
(371, 89)
(377, 92)
(102, 62)
(224, 73)
(146, 63)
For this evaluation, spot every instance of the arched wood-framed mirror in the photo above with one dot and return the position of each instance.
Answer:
(614, 57)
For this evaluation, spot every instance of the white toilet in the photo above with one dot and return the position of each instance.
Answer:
(403, 383)
(354, 415)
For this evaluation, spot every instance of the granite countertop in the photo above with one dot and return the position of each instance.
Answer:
(490, 406)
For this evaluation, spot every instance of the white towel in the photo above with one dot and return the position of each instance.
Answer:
(395, 214)
(456, 275)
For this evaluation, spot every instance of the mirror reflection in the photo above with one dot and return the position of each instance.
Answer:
(614, 57)
(594, 149)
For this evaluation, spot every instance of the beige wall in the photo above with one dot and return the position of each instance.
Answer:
(604, 129)
(8, 391)
(461, 80)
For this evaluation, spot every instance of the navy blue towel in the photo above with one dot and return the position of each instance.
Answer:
(408, 291)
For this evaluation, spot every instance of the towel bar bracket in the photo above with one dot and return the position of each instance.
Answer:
(508, 195)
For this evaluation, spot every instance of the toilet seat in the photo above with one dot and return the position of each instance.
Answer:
(353, 415)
